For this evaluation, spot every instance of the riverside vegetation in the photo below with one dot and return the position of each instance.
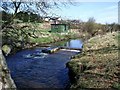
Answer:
(97, 63)
(98, 66)
(21, 36)
(27, 35)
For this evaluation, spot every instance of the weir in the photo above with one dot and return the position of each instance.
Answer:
(43, 70)
(55, 49)
(40, 70)
(72, 49)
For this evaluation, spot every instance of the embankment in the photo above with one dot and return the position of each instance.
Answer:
(98, 66)
(5, 78)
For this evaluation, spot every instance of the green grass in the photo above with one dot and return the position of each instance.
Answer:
(42, 40)
(118, 36)
(118, 39)
(49, 36)
(101, 65)
(44, 30)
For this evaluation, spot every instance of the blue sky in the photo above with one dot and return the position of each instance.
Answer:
(103, 12)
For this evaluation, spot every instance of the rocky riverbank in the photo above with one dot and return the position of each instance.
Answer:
(5, 78)
(98, 66)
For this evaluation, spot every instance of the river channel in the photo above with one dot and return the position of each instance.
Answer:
(43, 70)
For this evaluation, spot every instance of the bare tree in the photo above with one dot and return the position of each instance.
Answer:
(37, 7)
(40, 7)
(90, 26)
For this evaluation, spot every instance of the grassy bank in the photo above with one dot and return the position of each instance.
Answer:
(98, 66)
(49, 37)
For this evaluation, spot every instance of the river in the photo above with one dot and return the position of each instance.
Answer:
(43, 70)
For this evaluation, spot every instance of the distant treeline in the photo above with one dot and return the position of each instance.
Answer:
(22, 17)
(91, 26)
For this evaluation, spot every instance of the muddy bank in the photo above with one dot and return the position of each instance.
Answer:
(98, 66)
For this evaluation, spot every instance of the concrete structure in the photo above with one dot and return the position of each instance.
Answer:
(55, 49)
(50, 49)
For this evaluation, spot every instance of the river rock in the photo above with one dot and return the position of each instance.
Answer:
(6, 49)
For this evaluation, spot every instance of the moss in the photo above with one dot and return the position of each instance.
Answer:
(6, 49)
(116, 86)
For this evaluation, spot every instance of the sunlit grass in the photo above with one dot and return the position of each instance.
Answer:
(100, 64)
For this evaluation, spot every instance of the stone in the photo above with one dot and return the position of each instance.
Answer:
(5, 78)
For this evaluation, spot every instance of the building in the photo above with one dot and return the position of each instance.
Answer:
(59, 28)
(56, 24)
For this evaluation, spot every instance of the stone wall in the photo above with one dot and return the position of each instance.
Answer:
(6, 81)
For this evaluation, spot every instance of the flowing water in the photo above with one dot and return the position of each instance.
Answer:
(33, 69)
